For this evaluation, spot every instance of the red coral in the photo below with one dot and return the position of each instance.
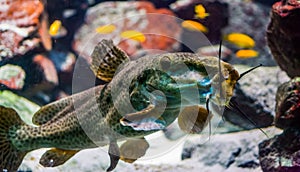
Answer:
(19, 22)
(22, 13)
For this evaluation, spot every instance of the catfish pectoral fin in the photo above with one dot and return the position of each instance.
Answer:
(55, 157)
(114, 155)
(139, 115)
(106, 58)
(147, 119)
(133, 149)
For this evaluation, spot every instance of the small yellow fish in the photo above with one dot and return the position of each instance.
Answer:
(134, 35)
(200, 12)
(56, 29)
(241, 40)
(194, 26)
(106, 29)
(246, 53)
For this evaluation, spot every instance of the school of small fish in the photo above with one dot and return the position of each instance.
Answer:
(243, 41)
(191, 25)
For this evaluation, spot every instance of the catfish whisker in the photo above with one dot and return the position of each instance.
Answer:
(221, 77)
(246, 72)
(207, 108)
(235, 106)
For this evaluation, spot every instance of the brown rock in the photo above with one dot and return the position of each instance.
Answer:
(283, 35)
(20, 26)
(266, 2)
(64, 63)
(160, 29)
(281, 153)
(42, 75)
(288, 104)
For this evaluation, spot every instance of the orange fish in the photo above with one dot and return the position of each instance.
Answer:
(246, 54)
(194, 26)
(241, 40)
(106, 29)
(56, 29)
(134, 35)
(200, 12)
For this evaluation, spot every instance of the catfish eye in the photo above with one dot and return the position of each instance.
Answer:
(165, 62)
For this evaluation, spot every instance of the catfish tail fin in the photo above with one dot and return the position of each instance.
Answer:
(10, 156)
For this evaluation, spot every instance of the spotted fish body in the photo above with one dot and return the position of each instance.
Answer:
(101, 115)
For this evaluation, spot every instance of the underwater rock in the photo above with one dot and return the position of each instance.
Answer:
(85, 160)
(124, 16)
(48, 69)
(39, 78)
(282, 152)
(23, 28)
(12, 76)
(229, 152)
(160, 3)
(266, 2)
(288, 104)
(42, 75)
(213, 50)
(64, 63)
(179, 167)
(215, 22)
(283, 35)
(255, 95)
(251, 19)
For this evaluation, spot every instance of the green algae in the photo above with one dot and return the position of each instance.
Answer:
(23, 106)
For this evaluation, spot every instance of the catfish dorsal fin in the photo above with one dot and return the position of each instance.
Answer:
(106, 58)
